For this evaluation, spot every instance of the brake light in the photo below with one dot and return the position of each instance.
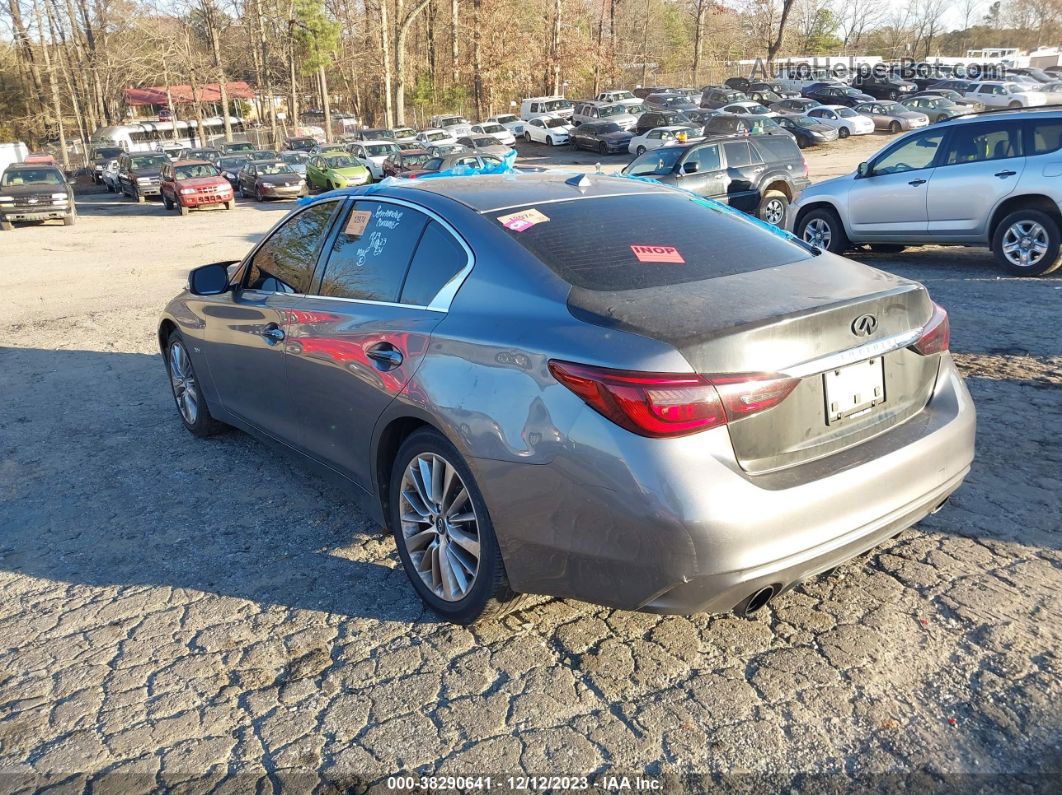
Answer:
(936, 334)
(672, 404)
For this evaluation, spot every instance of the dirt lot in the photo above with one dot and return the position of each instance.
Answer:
(179, 610)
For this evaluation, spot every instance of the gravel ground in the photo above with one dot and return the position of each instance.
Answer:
(176, 611)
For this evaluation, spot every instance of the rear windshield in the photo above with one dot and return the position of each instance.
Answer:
(591, 243)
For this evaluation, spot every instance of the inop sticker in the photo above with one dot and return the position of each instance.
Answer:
(522, 220)
(359, 219)
(658, 254)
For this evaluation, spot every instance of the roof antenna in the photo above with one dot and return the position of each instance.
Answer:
(579, 181)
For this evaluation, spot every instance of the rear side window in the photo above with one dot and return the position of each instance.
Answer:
(437, 259)
(974, 143)
(592, 244)
(777, 147)
(1046, 135)
(737, 154)
(371, 253)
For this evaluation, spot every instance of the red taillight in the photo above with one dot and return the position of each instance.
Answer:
(672, 404)
(936, 334)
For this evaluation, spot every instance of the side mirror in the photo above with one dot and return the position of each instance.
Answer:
(690, 167)
(863, 169)
(212, 279)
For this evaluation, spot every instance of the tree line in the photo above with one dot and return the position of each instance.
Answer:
(64, 64)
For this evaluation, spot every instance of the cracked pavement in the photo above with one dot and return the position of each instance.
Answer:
(184, 612)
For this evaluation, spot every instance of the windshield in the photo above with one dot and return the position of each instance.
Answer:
(555, 122)
(198, 170)
(507, 119)
(608, 127)
(239, 147)
(403, 132)
(809, 124)
(341, 161)
(436, 136)
(295, 157)
(610, 110)
(486, 140)
(381, 150)
(656, 163)
(556, 104)
(108, 152)
(757, 109)
(274, 168)
(23, 176)
(232, 163)
(451, 120)
(621, 95)
(846, 113)
(492, 128)
(147, 161)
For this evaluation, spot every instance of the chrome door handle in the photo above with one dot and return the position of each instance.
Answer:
(917, 182)
(1004, 174)
(385, 356)
(272, 333)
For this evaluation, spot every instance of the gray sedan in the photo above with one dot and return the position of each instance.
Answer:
(485, 145)
(892, 116)
(536, 395)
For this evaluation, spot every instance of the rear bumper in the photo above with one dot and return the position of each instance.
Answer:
(675, 526)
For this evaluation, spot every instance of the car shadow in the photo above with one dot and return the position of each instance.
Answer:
(112, 204)
(110, 490)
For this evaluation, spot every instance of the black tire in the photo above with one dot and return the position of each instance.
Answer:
(1014, 104)
(602, 148)
(527, 136)
(842, 132)
(258, 194)
(838, 240)
(110, 188)
(887, 248)
(182, 209)
(639, 151)
(892, 95)
(772, 203)
(167, 202)
(489, 595)
(549, 140)
(204, 424)
(1048, 262)
(895, 127)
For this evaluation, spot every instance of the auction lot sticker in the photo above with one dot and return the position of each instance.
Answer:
(522, 220)
(658, 254)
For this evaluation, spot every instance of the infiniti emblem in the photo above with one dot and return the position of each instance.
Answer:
(864, 325)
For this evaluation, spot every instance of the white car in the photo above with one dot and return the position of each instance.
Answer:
(660, 136)
(845, 120)
(373, 154)
(1006, 94)
(404, 135)
(618, 97)
(550, 130)
(495, 131)
(510, 121)
(457, 126)
(748, 108)
(533, 107)
(430, 137)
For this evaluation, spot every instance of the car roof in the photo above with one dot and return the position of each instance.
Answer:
(485, 193)
(28, 166)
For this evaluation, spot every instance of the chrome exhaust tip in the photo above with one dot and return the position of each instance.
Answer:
(941, 505)
(753, 603)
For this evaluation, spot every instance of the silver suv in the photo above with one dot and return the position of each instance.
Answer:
(991, 180)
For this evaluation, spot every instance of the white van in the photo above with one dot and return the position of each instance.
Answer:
(536, 107)
(12, 153)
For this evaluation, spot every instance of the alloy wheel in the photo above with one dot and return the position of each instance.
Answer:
(1025, 243)
(818, 233)
(182, 379)
(439, 526)
(774, 212)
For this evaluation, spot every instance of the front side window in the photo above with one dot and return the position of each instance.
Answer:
(369, 258)
(973, 143)
(656, 163)
(285, 262)
(911, 155)
(707, 158)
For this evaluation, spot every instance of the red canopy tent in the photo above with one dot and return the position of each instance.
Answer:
(184, 95)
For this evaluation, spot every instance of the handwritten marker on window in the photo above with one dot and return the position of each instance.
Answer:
(525, 219)
(658, 254)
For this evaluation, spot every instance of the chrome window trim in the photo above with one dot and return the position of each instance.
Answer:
(852, 355)
(442, 300)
